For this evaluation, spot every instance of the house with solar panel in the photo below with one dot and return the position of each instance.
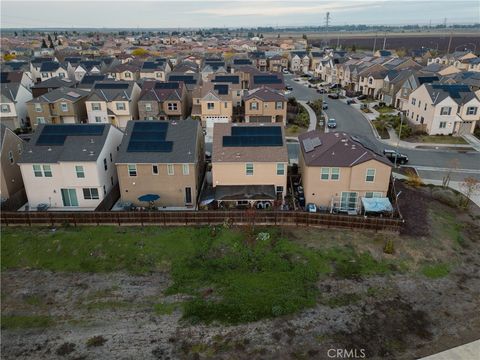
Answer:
(48, 85)
(444, 109)
(277, 63)
(161, 159)
(337, 171)
(249, 165)
(72, 164)
(125, 72)
(51, 69)
(60, 106)
(78, 70)
(13, 102)
(212, 104)
(163, 101)
(113, 102)
(231, 83)
(156, 69)
(88, 81)
(265, 105)
(271, 80)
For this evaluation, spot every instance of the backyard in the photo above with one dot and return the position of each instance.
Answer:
(247, 292)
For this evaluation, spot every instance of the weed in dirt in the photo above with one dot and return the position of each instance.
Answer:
(108, 305)
(343, 300)
(165, 308)
(98, 340)
(26, 321)
(435, 271)
(65, 349)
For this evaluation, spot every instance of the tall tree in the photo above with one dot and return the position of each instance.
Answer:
(44, 44)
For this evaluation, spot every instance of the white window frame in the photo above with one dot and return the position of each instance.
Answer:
(96, 106)
(172, 106)
(374, 194)
(472, 110)
(248, 171)
(210, 106)
(445, 113)
(170, 169)
(98, 119)
(120, 106)
(10, 157)
(281, 168)
(5, 108)
(186, 169)
(279, 105)
(79, 169)
(132, 170)
(37, 170)
(335, 172)
(90, 195)
(442, 125)
(367, 175)
(64, 106)
(148, 107)
(324, 171)
(254, 105)
(38, 107)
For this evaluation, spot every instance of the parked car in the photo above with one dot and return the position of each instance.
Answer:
(321, 91)
(333, 96)
(331, 123)
(351, 101)
(285, 71)
(311, 208)
(335, 86)
(393, 154)
(325, 106)
(289, 88)
(362, 97)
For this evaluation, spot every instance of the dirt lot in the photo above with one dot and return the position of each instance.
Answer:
(410, 312)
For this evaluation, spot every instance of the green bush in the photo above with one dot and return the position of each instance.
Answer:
(435, 271)
(389, 247)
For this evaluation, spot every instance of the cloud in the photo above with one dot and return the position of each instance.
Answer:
(264, 8)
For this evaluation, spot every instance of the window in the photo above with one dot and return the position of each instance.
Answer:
(5, 108)
(148, 107)
(445, 110)
(132, 170)
(128, 74)
(348, 201)
(419, 103)
(105, 164)
(79, 171)
(111, 157)
(37, 170)
(210, 106)
(47, 171)
(98, 119)
(104, 190)
(324, 173)
(120, 106)
(442, 125)
(335, 173)
(422, 119)
(370, 176)
(170, 169)
(372, 194)
(225, 104)
(111, 180)
(10, 157)
(90, 194)
(425, 107)
(472, 110)
(279, 105)
(280, 169)
(279, 190)
(38, 107)
(253, 105)
(185, 169)
(96, 106)
(61, 75)
(172, 106)
(188, 195)
(155, 169)
(44, 74)
(414, 101)
(370, 81)
(249, 169)
(64, 106)
(69, 197)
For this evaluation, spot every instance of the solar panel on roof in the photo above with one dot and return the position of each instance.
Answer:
(53, 135)
(187, 79)
(253, 136)
(453, 90)
(316, 142)
(149, 137)
(106, 86)
(266, 79)
(150, 146)
(307, 145)
(242, 62)
(221, 89)
(167, 85)
(256, 130)
(233, 79)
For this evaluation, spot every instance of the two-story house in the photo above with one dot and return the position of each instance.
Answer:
(125, 72)
(163, 101)
(249, 165)
(338, 171)
(299, 62)
(155, 70)
(60, 106)
(72, 164)
(444, 109)
(51, 84)
(164, 159)
(50, 69)
(114, 102)
(277, 63)
(265, 105)
(13, 104)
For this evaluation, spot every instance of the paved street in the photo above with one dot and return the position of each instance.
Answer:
(353, 122)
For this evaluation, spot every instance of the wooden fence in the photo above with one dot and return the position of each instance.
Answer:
(182, 218)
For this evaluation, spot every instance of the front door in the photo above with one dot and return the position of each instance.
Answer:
(188, 195)
(69, 197)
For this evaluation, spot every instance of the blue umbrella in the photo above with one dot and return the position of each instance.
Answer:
(149, 197)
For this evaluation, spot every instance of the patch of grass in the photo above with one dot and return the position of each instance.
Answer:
(96, 341)
(435, 271)
(26, 321)
(385, 109)
(107, 305)
(165, 308)
(343, 300)
(438, 139)
(33, 300)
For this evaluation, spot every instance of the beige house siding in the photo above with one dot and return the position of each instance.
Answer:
(266, 108)
(11, 176)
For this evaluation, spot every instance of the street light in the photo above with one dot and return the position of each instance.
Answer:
(398, 141)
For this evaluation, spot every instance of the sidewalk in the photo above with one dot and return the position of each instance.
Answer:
(468, 351)
(473, 141)
(311, 114)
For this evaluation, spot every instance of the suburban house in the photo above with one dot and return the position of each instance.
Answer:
(273, 81)
(84, 67)
(73, 165)
(299, 61)
(11, 147)
(277, 63)
(163, 101)
(249, 165)
(50, 69)
(155, 70)
(114, 102)
(88, 81)
(60, 106)
(13, 104)
(164, 159)
(126, 72)
(259, 60)
(46, 86)
(35, 65)
(444, 109)
(265, 105)
(233, 83)
(17, 76)
(212, 104)
(411, 83)
(338, 171)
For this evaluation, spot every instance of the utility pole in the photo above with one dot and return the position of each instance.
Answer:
(327, 22)
(338, 40)
(399, 135)
(374, 43)
(384, 39)
(449, 42)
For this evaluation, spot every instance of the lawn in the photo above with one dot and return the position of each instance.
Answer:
(231, 275)
(294, 130)
(385, 109)
(437, 139)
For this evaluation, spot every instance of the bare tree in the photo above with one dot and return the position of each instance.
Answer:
(470, 187)
(453, 165)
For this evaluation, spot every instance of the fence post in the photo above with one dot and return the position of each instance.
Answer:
(164, 219)
(74, 220)
(186, 219)
(29, 220)
(51, 219)
(6, 219)
(118, 218)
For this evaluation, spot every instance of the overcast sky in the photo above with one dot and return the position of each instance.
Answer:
(173, 14)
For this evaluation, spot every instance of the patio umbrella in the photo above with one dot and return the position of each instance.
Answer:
(149, 197)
